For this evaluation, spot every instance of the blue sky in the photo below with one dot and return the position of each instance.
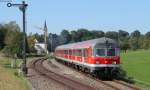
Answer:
(106, 15)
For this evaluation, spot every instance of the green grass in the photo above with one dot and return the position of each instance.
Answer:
(9, 80)
(137, 65)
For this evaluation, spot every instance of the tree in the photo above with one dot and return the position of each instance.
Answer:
(147, 35)
(38, 37)
(112, 35)
(74, 36)
(124, 45)
(13, 41)
(146, 41)
(135, 40)
(123, 35)
(97, 34)
(123, 38)
(136, 34)
(65, 37)
(53, 41)
(133, 43)
(31, 43)
(2, 36)
(84, 34)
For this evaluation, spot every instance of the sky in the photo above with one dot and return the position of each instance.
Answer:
(106, 15)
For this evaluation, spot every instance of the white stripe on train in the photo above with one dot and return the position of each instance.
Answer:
(90, 65)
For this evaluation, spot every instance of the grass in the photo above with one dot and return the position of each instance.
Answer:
(9, 80)
(137, 65)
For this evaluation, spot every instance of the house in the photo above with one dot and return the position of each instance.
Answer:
(40, 47)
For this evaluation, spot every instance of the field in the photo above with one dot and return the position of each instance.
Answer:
(137, 65)
(9, 80)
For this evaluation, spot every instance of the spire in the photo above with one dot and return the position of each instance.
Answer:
(45, 26)
(45, 29)
(46, 36)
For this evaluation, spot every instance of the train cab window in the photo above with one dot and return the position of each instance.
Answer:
(111, 52)
(100, 52)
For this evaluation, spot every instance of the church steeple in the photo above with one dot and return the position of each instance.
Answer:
(45, 28)
(46, 35)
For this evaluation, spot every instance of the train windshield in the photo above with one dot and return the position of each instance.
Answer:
(100, 52)
(107, 52)
(111, 52)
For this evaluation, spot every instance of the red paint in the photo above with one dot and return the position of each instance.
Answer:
(90, 59)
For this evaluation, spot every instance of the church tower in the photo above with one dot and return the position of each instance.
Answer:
(45, 36)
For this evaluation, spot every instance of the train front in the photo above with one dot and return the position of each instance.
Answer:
(107, 58)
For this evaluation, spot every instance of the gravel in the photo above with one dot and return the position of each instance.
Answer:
(39, 82)
(66, 71)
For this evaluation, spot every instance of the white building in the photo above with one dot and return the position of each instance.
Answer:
(40, 47)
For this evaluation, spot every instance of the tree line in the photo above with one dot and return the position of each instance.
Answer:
(11, 39)
(132, 41)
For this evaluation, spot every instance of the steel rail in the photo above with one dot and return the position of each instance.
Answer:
(72, 84)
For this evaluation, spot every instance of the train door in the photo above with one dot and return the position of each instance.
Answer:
(84, 55)
(83, 60)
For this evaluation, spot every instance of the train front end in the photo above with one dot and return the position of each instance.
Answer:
(107, 59)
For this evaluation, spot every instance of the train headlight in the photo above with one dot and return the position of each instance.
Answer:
(106, 62)
(97, 62)
(114, 62)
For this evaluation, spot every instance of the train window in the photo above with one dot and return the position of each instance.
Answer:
(73, 52)
(100, 52)
(70, 52)
(66, 52)
(78, 52)
(111, 52)
(85, 52)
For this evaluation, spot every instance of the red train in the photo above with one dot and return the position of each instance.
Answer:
(99, 56)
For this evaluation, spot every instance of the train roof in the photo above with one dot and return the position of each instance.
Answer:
(87, 44)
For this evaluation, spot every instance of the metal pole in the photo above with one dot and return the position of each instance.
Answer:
(24, 68)
(22, 7)
(24, 34)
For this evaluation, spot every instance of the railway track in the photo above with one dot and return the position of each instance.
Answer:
(126, 84)
(37, 65)
(114, 84)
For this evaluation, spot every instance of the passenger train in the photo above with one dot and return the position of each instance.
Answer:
(97, 56)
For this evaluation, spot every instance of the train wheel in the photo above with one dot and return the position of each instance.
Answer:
(116, 74)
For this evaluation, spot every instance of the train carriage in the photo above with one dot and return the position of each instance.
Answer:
(99, 56)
